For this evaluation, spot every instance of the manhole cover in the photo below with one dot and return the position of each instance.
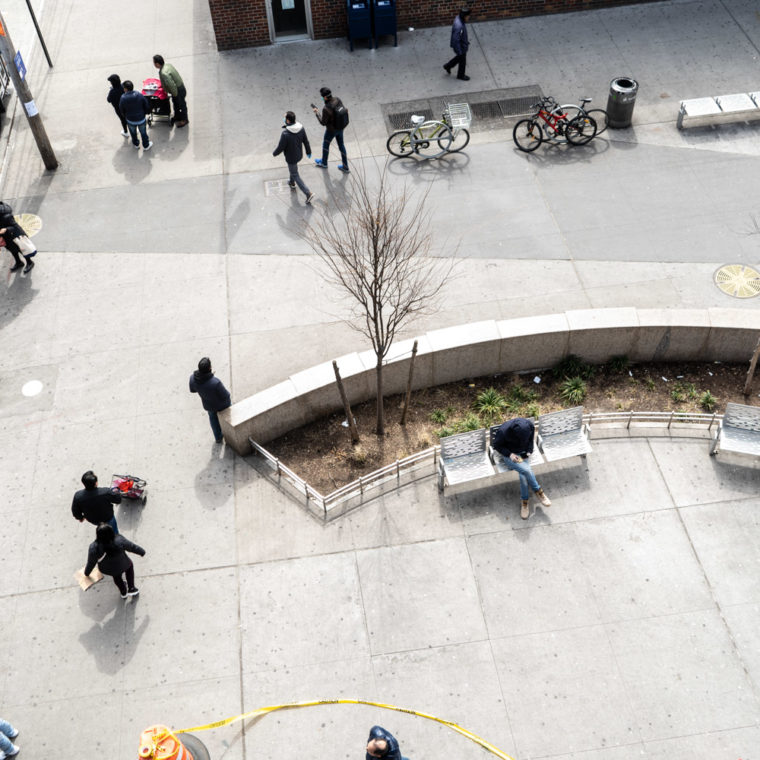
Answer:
(738, 280)
(30, 223)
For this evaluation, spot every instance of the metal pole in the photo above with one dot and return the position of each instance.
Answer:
(8, 52)
(39, 32)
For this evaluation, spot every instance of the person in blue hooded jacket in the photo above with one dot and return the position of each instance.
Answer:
(514, 441)
(214, 396)
(133, 107)
(461, 45)
(382, 743)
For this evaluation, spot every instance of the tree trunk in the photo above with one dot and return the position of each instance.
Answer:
(380, 409)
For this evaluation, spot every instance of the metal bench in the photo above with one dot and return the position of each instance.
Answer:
(735, 107)
(497, 459)
(563, 434)
(738, 431)
(464, 457)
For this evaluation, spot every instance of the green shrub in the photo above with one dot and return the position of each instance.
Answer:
(445, 432)
(470, 422)
(707, 401)
(651, 385)
(438, 416)
(490, 403)
(573, 390)
(573, 366)
(683, 391)
(532, 410)
(618, 364)
(677, 393)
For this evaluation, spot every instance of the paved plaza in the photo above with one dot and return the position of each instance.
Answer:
(621, 623)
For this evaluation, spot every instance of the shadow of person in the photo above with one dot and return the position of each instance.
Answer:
(295, 220)
(20, 294)
(129, 514)
(210, 481)
(114, 643)
(134, 165)
(99, 600)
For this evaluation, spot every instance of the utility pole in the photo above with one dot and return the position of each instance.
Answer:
(8, 52)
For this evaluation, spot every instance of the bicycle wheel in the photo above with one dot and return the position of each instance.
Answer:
(599, 115)
(580, 130)
(459, 139)
(432, 139)
(400, 143)
(527, 135)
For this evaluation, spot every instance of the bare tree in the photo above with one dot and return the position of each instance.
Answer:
(376, 247)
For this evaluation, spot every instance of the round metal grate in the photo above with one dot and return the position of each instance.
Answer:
(30, 223)
(738, 280)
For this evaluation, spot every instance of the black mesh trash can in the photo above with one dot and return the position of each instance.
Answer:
(621, 101)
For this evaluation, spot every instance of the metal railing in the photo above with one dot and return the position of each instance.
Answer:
(338, 501)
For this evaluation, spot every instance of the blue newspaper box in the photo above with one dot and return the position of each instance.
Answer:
(384, 12)
(359, 21)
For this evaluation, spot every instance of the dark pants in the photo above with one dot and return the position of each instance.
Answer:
(14, 249)
(119, 581)
(461, 61)
(121, 119)
(295, 179)
(180, 105)
(213, 419)
(327, 139)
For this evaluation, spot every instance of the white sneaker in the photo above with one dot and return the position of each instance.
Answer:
(136, 147)
(148, 146)
(310, 197)
(14, 751)
(125, 134)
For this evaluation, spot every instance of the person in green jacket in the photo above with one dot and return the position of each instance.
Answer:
(172, 82)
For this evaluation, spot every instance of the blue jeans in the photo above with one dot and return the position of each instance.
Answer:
(112, 523)
(527, 478)
(213, 418)
(6, 745)
(328, 138)
(295, 179)
(142, 126)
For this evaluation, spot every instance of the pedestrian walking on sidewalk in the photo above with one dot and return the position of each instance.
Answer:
(214, 396)
(461, 44)
(514, 441)
(293, 140)
(134, 107)
(16, 240)
(95, 504)
(7, 734)
(172, 82)
(382, 743)
(334, 119)
(113, 97)
(109, 552)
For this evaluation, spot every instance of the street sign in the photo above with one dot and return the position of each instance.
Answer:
(19, 61)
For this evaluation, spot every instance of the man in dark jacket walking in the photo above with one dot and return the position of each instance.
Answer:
(383, 744)
(293, 140)
(461, 44)
(114, 97)
(109, 552)
(514, 441)
(134, 106)
(95, 504)
(214, 396)
(332, 128)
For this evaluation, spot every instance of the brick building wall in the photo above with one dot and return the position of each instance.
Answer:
(243, 23)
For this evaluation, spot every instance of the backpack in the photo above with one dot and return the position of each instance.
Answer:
(340, 115)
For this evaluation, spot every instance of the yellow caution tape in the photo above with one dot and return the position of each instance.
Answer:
(264, 710)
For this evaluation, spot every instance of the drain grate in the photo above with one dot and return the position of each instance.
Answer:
(489, 107)
(276, 187)
(738, 280)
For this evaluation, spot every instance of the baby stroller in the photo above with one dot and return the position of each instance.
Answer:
(130, 487)
(157, 99)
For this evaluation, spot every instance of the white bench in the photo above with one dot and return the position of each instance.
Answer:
(563, 434)
(735, 107)
(464, 457)
(738, 431)
(470, 456)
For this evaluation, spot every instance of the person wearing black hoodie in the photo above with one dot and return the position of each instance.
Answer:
(109, 552)
(10, 229)
(214, 396)
(292, 142)
(113, 97)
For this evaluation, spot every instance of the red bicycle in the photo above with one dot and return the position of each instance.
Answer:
(553, 122)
